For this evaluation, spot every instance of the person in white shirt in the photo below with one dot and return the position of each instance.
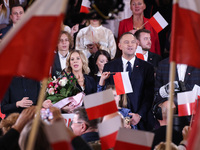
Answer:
(94, 37)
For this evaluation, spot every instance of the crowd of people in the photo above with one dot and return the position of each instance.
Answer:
(90, 55)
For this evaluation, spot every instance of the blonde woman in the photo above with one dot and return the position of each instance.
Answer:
(77, 65)
(4, 13)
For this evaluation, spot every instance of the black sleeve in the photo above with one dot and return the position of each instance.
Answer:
(79, 144)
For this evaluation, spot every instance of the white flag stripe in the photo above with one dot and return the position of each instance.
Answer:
(126, 82)
(31, 12)
(185, 97)
(135, 137)
(163, 23)
(86, 3)
(100, 98)
(196, 90)
(57, 132)
(109, 126)
(193, 5)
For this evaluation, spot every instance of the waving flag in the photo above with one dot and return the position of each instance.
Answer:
(28, 49)
(100, 104)
(158, 22)
(133, 139)
(122, 83)
(85, 6)
(185, 38)
(108, 132)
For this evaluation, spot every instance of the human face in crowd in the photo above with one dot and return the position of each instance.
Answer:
(116, 97)
(63, 44)
(128, 45)
(16, 14)
(76, 62)
(145, 41)
(137, 6)
(76, 125)
(101, 61)
(95, 22)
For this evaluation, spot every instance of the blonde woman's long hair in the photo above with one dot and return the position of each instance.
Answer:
(84, 60)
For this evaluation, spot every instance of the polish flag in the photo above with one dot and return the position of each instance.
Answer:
(28, 48)
(133, 139)
(185, 38)
(139, 52)
(122, 83)
(85, 6)
(186, 103)
(158, 22)
(108, 132)
(100, 104)
(58, 136)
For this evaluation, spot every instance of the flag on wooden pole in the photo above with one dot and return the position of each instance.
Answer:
(28, 49)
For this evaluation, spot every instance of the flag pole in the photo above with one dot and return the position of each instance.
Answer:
(34, 129)
(170, 104)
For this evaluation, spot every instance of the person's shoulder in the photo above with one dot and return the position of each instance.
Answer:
(126, 20)
(164, 61)
(143, 63)
(114, 62)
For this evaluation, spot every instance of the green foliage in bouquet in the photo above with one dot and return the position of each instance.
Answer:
(62, 87)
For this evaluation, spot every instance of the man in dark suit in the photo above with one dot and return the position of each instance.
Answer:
(17, 11)
(22, 93)
(141, 77)
(144, 39)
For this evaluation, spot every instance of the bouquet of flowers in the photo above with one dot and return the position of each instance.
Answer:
(62, 87)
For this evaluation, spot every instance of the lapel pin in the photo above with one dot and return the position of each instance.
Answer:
(189, 73)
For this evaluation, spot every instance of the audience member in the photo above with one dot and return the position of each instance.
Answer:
(161, 113)
(138, 21)
(10, 140)
(65, 45)
(8, 122)
(77, 66)
(141, 76)
(4, 13)
(22, 93)
(144, 38)
(94, 37)
(16, 12)
(101, 57)
(185, 79)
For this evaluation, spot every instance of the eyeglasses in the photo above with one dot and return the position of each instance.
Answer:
(75, 122)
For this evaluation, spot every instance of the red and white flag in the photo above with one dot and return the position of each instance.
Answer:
(58, 136)
(133, 139)
(100, 104)
(185, 38)
(28, 48)
(108, 132)
(122, 83)
(139, 52)
(158, 22)
(187, 101)
(85, 6)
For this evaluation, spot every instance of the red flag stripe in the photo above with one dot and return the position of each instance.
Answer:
(101, 110)
(186, 109)
(124, 145)
(62, 145)
(186, 52)
(84, 9)
(155, 24)
(139, 55)
(111, 138)
(119, 86)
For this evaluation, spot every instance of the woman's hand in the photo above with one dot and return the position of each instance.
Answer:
(104, 76)
(47, 103)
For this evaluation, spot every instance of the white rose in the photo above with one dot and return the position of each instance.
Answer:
(51, 91)
(63, 81)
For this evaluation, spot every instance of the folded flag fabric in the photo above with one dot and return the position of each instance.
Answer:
(158, 22)
(108, 132)
(139, 52)
(133, 139)
(100, 104)
(85, 6)
(57, 136)
(122, 83)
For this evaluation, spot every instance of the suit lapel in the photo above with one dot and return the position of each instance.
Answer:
(188, 73)
(57, 62)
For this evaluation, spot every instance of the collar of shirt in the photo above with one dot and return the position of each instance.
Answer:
(146, 56)
(96, 28)
(63, 60)
(181, 69)
(124, 61)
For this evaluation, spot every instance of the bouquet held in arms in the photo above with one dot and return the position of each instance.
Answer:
(63, 92)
